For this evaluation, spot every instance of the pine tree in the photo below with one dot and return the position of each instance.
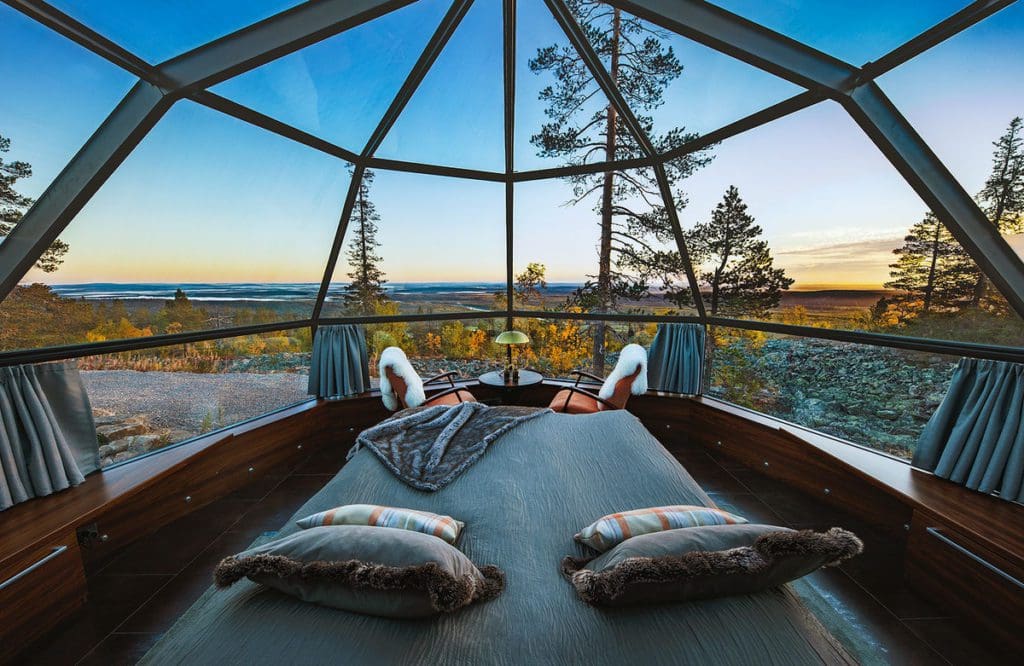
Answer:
(740, 277)
(933, 266)
(14, 205)
(365, 293)
(531, 284)
(1002, 197)
(584, 128)
(180, 315)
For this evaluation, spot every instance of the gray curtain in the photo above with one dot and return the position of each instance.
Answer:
(47, 434)
(975, 438)
(676, 358)
(340, 365)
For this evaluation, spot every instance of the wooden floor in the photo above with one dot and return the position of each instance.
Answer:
(137, 595)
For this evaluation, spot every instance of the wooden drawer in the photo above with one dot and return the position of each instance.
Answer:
(38, 589)
(984, 586)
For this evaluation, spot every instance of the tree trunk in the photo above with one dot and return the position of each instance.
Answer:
(604, 265)
(361, 270)
(714, 292)
(717, 281)
(929, 288)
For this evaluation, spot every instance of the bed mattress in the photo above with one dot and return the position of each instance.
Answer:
(522, 502)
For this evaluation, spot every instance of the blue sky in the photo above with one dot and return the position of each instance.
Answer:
(207, 198)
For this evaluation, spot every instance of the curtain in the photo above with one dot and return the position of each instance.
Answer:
(676, 358)
(340, 365)
(47, 434)
(975, 438)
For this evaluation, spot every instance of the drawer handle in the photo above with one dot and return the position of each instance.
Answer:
(937, 533)
(24, 572)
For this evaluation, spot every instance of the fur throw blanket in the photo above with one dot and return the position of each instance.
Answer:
(429, 447)
(631, 356)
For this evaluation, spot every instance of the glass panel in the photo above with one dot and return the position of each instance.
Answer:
(339, 89)
(157, 30)
(853, 30)
(558, 231)
(559, 346)
(877, 397)
(456, 116)
(561, 112)
(783, 230)
(154, 398)
(428, 244)
(677, 88)
(965, 78)
(465, 346)
(44, 76)
(186, 235)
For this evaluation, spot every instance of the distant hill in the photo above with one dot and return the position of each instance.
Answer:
(832, 298)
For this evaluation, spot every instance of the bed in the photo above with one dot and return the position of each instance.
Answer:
(521, 502)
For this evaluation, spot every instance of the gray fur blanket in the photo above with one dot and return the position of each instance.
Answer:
(428, 447)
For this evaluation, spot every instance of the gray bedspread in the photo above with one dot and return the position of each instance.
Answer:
(429, 447)
(522, 503)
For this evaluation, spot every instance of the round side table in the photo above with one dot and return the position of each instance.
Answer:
(510, 390)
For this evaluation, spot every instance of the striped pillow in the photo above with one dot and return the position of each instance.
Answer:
(443, 527)
(615, 528)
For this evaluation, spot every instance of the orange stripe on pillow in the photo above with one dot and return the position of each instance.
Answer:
(663, 519)
(375, 515)
(623, 525)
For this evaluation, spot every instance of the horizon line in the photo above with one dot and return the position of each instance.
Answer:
(813, 287)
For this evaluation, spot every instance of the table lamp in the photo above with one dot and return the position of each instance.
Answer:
(510, 338)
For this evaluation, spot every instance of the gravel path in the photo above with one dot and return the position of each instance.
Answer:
(183, 400)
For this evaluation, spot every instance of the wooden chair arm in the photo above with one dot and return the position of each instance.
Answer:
(581, 374)
(575, 389)
(450, 376)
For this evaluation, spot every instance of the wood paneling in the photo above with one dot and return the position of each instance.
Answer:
(780, 454)
(43, 596)
(970, 582)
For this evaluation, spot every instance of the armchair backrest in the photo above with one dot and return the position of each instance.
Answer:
(628, 377)
(400, 385)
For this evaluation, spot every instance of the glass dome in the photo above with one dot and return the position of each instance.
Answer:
(799, 178)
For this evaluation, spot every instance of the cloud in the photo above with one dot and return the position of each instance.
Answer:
(861, 264)
(846, 249)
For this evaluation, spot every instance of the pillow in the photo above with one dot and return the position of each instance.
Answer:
(705, 562)
(443, 527)
(615, 528)
(370, 570)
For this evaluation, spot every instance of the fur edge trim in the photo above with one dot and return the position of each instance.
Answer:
(395, 358)
(629, 357)
(493, 583)
(602, 587)
(447, 593)
(837, 542)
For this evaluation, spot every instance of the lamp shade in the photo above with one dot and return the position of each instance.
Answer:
(512, 338)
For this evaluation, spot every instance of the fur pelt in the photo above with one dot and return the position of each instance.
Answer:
(446, 592)
(630, 356)
(395, 358)
(601, 587)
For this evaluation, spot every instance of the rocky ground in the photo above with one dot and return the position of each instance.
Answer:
(137, 412)
(873, 396)
(142, 411)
